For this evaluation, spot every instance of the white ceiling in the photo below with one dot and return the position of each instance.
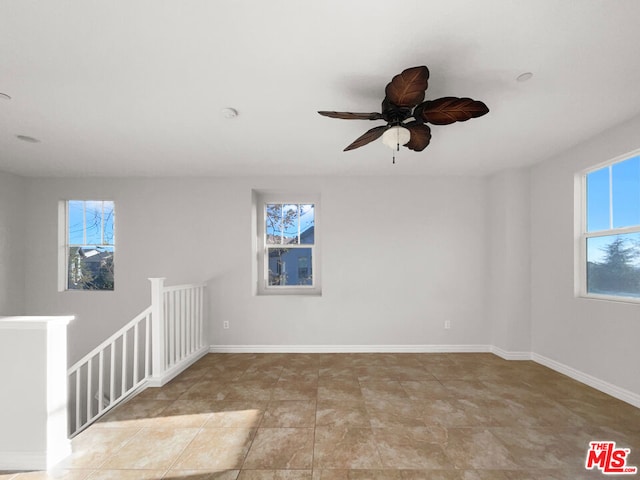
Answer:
(136, 87)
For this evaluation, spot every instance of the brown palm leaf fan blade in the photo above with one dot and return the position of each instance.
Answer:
(353, 116)
(408, 88)
(404, 106)
(420, 136)
(368, 137)
(446, 110)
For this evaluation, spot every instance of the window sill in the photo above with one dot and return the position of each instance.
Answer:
(292, 292)
(611, 298)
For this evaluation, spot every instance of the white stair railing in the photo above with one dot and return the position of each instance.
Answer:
(110, 372)
(155, 346)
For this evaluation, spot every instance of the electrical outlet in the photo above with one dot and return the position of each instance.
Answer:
(447, 324)
(225, 324)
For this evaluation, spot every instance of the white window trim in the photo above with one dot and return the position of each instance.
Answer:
(63, 245)
(582, 235)
(260, 267)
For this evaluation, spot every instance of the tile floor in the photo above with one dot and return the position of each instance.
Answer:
(354, 416)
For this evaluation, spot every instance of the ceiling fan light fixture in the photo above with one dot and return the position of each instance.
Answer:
(394, 136)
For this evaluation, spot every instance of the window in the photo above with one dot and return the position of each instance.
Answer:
(610, 241)
(89, 245)
(287, 245)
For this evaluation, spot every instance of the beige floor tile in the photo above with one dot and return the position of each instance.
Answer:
(531, 413)
(185, 414)
(93, 446)
(252, 390)
(469, 389)
(127, 475)
(345, 448)
(290, 413)
(388, 390)
(211, 390)
(423, 436)
(8, 474)
(236, 414)
(533, 447)
(306, 374)
(339, 390)
(449, 475)
(136, 413)
(478, 448)
(281, 448)
(264, 375)
(338, 372)
(458, 413)
(359, 474)
(412, 447)
(152, 449)
(409, 372)
(425, 389)
(216, 449)
(201, 475)
(275, 475)
(385, 413)
(342, 413)
(170, 391)
(295, 390)
(76, 474)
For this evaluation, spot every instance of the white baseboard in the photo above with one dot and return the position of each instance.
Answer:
(34, 460)
(606, 387)
(510, 355)
(349, 348)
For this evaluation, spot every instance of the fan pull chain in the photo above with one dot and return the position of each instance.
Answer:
(397, 147)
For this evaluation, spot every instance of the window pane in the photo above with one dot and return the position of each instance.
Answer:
(598, 200)
(307, 224)
(109, 221)
(90, 268)
(91, 222)
(76, 222)
(290, 223)
(613, 265)
(626, 193)
(290, 266)
(273, 223)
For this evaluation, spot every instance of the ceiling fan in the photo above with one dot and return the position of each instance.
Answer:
(406, 113)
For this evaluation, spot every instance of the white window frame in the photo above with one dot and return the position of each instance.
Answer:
(64, 244)
(261, 264)
(583, 235)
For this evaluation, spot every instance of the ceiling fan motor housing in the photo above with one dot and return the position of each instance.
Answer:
(394, 114)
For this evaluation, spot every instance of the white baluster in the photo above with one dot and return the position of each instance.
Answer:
(100, 381)
(124, 363)
(89, 390)
(136, 360)
(147, 345)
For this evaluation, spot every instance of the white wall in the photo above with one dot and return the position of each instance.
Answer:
(509, 300)
(12, 209)
(598, 338)
(400, 255)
